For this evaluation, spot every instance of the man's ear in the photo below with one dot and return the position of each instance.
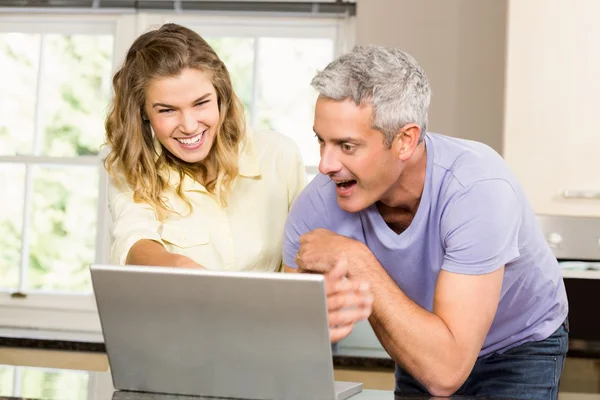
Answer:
(406, 141)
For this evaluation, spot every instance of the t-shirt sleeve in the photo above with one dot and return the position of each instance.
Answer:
(480, 228)
(305, 215)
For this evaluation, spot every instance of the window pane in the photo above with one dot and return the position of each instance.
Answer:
(75, 89)
(74, 92)
(6, 381)
(63, 228)
(48, 384)
(238, 56)
(286, 99)
(12, 179)
(19, 60)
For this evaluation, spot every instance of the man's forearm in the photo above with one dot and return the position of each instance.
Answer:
(415, 338)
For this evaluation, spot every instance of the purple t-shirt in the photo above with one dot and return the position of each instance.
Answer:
(472, 219)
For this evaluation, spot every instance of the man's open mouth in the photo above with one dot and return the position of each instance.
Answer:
(345, 184)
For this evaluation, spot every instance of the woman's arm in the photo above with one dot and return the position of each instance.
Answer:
(135, 229)
(149, 252)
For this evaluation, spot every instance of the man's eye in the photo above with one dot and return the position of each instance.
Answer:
(347, 147)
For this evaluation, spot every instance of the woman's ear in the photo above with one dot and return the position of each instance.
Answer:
(144, 115)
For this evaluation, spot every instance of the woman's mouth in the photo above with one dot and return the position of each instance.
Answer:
(193, 142)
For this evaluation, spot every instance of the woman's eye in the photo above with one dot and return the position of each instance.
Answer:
(164, 111)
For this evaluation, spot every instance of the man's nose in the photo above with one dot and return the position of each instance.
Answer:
(329, 163)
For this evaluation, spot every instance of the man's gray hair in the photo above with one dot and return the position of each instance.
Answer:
(389, 79)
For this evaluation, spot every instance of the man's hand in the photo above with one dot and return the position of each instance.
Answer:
(348, 301)
(337, 257)
(320, 250)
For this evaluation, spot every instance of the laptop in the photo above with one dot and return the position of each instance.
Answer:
(250, 335)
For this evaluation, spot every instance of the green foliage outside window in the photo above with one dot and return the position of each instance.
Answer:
(69, 106)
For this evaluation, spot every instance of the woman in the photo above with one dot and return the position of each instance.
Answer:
(190, 187)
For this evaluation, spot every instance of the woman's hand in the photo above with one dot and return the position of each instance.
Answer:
(185, 262)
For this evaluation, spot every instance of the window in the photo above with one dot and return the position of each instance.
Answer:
(43, 382)
(55, 90)
(277, 95)
(56, 85)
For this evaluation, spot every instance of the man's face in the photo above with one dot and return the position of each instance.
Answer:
(353, 154)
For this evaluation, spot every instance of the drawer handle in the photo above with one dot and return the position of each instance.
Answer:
(581, 194)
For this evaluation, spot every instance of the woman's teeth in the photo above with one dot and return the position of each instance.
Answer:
(193, 140)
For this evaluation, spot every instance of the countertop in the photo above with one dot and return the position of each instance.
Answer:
(343, 356)
(18, 382)
(61, 384)
(29, 383)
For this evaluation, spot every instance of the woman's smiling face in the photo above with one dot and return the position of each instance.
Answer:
(184, 114)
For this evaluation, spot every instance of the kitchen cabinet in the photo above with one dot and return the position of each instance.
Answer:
(552, 104)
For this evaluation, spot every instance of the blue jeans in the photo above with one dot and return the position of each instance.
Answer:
(529, 371)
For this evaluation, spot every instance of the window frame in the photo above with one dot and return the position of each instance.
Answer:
(60, 311)
(78, 312)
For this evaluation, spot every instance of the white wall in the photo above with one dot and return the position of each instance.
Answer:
(552, 123)
(461, 46)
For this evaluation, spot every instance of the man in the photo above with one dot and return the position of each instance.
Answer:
(467, 297)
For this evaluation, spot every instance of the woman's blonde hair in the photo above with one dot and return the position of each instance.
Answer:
(133, 159)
